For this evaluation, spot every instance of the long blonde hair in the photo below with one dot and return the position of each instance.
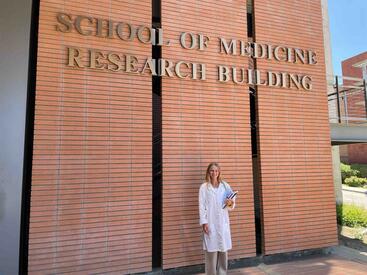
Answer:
(207, 175)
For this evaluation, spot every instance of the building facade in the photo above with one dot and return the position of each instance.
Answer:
(354, 104)
(128, 102)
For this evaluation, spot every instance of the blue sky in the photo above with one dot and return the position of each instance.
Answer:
(348, 29)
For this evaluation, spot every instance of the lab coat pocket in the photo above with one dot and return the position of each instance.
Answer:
(211, 230)
(210, 239)
(211, 235)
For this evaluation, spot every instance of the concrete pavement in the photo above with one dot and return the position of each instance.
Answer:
(321, 265)
(341, 261)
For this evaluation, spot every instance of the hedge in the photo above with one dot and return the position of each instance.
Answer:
(351, 215)
(355, 181)
(347, 171)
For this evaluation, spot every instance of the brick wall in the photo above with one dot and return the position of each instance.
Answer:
(91, 198)
(357, 153)
(295, 154)
(91, 180)
(355, 100)
(347, 65)
(204, 121)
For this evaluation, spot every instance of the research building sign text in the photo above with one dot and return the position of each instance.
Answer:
(98, 59)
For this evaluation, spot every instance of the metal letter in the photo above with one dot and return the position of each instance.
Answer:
(192, 40)
(271, 79)
(223, 72)
(270, 52)
(276, 53)
(178, 71)
(74, 57)
(307, 82)
(160, 37)
(151, 34)
(312, 58)
(289, 55)
(150, 63)
(203, 41)
(250, 78)
(78, 27)
(131, 63)
(258, 79)
(165, 66)
(228, 49)
(198, 68)
(120, 31)
(295, 80)
(100, 26)
(234, 75)
(66, 20)
(246, 49)
(256, 50)
(299, 54)
(284, 80)
(115, 59)
(95, 59)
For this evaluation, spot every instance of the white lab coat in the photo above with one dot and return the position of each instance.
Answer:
(211, 211)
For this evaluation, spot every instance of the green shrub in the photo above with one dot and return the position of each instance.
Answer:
(362, 168)
(351, 215)
(339, 213)
(355, 181)
(347, 171)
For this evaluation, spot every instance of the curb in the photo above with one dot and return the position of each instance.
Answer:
(349, 253)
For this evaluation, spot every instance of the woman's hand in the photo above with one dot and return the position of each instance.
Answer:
(206, 228)
(229, 203)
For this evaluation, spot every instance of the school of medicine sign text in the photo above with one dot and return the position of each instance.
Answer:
(123, 62)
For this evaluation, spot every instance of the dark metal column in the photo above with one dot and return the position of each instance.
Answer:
(157, 147)
(338, 98)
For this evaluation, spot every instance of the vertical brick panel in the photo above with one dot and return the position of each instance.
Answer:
(294, 135)
(204, 121)
(91, 179)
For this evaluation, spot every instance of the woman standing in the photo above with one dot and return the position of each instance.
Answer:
(214, 219)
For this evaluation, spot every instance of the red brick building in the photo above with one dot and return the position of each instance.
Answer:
(355, 66)
(128, 102)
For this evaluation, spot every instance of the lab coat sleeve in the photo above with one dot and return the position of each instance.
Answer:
(234, 200)
(203, 211)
